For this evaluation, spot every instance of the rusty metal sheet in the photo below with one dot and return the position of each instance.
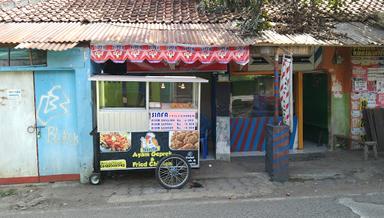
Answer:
(360, 34)
(141, 33)
(224, 34)
(270, 37)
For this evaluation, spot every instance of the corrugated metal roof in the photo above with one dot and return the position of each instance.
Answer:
(360, 34)
(348, 34)
(152, 34)
(64, 35)
(270, 37)
(46, 46)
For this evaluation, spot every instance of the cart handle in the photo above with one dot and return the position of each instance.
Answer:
(94, 131)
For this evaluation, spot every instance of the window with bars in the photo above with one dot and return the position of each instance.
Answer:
(22, 57)
(252, 96)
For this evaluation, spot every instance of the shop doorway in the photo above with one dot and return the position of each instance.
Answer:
(252, 109)
(315, 109)
(208, 117)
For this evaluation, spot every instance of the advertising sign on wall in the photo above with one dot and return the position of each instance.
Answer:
(370, 99)
(368, 51)
(359, 84)
(380, 85)
(14, 94)
(380, 100)
(367, 86)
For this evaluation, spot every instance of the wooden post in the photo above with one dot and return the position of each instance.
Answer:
(299, 109)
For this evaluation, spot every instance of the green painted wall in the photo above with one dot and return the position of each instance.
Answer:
(340, 117)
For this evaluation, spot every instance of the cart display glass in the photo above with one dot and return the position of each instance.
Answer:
(118, 94)
(180, 95)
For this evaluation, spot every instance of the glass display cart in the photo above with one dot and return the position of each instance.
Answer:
(147, 122)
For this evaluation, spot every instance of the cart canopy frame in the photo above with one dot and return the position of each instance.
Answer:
(125, 78)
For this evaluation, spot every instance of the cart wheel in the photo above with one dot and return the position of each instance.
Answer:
(173, 172)
(95, 179)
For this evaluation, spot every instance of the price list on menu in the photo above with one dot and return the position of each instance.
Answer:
(172, 121)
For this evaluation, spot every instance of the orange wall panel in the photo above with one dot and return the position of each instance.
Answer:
(342, 71)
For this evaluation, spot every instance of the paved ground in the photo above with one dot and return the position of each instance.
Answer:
(332, 174)
(367, 205)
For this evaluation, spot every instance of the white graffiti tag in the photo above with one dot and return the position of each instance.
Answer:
(51, 106)
(65, 103)
(65, 137)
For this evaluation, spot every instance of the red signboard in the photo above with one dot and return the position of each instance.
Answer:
(169, 54)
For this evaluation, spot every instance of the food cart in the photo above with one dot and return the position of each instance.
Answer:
(147, 122)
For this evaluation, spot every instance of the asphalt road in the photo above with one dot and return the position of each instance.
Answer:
(367, 205)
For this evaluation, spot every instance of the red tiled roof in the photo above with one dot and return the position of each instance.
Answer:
(125, 11)
(60, 24)
(163, 11)
(352, 10)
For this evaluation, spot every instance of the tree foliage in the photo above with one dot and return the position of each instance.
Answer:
(299, 17)
(253, 17)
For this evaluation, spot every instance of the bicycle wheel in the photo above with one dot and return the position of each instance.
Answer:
(173, 172)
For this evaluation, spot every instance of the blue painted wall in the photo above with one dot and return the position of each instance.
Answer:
(71, 69)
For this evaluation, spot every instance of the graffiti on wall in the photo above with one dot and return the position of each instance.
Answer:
(336, 87)
(53, 106)
(54, 136)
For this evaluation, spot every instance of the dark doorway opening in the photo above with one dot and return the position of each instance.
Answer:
(315, 109)
(208, 116)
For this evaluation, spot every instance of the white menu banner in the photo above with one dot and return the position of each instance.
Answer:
(172, 120)
(359, 84)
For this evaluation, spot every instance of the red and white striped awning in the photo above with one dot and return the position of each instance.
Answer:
(169, 54)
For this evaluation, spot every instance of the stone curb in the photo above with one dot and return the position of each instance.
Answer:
(179, 196)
